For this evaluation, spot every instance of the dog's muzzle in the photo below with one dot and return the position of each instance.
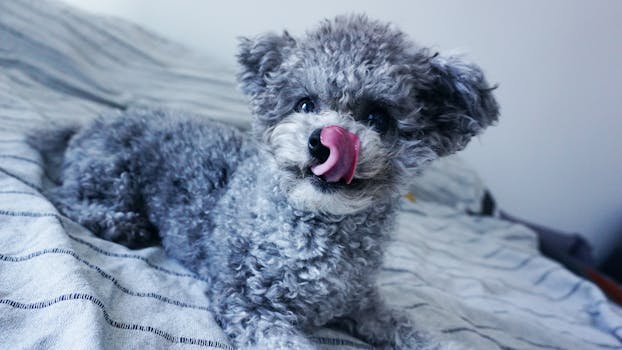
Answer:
(337, 150)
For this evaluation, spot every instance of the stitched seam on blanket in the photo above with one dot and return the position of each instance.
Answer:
(137, 257)
(507, 302)
(49, 80)
(518, 266)
(9, 258)
(121, 325)
(22, 119)
(484, 336)
(501, 346)
(447, 272)
(100, 250)
(27, 183)
(340, 342)
(31, 161)
(24, 159)
(22, 192)
(491, 328)
(27, 214)
(498, 329)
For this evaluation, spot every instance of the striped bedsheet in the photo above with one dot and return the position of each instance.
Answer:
(478, 281)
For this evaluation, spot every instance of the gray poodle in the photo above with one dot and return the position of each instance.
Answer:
(289, 222)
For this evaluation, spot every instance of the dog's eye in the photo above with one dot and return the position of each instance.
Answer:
(305, 105)
(379, 121)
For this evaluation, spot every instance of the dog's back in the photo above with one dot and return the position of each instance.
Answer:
(123, 175)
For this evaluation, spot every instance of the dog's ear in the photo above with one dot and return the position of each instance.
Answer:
(456, 104)
(259, 57)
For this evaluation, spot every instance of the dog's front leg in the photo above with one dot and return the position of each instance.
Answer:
(254, 328)
(381, 326)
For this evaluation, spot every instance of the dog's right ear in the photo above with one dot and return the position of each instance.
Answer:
(458, 103)
(259, 57)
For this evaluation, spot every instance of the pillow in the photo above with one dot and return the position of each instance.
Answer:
(451, 182)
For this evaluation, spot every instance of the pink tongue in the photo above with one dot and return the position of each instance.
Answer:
(344, 152)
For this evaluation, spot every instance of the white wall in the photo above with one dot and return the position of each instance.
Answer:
(555, 156)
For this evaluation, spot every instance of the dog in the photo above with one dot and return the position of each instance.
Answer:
(287, 222)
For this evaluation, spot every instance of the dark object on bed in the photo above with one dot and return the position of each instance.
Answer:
(606, 284)
(613, 265)
(570, 249)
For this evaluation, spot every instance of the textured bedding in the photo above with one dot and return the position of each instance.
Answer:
(477, 280)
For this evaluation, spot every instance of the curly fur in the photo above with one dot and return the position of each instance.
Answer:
(282, 254)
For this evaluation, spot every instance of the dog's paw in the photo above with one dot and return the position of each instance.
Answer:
(439, 344)
(391, 330)
(292, 342)
(406, 337)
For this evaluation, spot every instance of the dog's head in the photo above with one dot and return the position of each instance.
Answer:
(353, 109)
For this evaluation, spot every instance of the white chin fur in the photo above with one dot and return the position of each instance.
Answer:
(288, 143)
(304, 196)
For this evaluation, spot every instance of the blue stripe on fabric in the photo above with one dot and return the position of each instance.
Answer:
(116, 324)
(402, 283)
(12, 129)
(82, 39)
(484, 336)
(23, 193)
(57, 84)
(545, 275)
(518, 266)
(590, 342)
(104, 274)
(340, 342)
(29, 214)
(540, 345)
(22, 119)
(493, 253)
(602, 346)
(479, 326)
(31, 161)
(519, 338)
(522, 308)
(25, 182)
(416, 306)
(59, 218)
(498, 329)
(571, 292)
(494, 328)
(401, 270)
(136, 257)
(481, 280)
(522, 339)
(617, 332)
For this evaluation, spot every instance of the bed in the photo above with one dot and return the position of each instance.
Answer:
(474, 279)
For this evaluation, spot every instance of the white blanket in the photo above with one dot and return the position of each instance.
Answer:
(478, 281)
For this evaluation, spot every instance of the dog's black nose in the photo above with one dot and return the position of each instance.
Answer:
(316, 148)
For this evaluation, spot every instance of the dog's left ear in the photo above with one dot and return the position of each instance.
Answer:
(456, 104)
(259, 57)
